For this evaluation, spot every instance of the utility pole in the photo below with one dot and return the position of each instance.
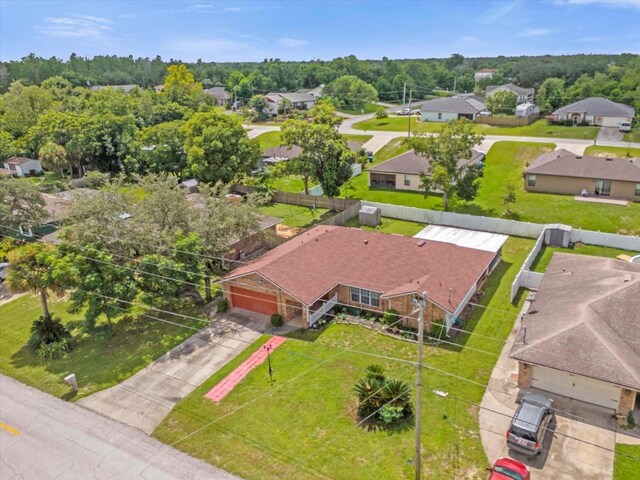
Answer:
(410, 114)
(421, 303)
(455, 83)
(404, 93)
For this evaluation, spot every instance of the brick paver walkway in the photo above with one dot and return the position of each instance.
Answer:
(223, 388)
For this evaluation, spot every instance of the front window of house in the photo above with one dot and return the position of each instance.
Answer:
(366, 297)
(531, 180)
(439, 116)
(407, 181)
(638, 189)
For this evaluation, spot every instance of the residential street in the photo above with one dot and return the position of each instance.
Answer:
(144, 399)
(45, 438)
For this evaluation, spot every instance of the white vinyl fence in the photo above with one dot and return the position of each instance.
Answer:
(526, 278)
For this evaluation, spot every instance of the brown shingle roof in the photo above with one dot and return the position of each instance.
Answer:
(311, 264)
(411, 163)
(563, 163)
(282, 152)
(585, 320)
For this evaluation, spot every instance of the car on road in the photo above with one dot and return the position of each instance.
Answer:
(404, 111)
(624, 127)
(416, 112)
(508, 469)
(530, 423)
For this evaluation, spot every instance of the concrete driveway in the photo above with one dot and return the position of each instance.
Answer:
(577, 449)
(144, 399)
(610, 134)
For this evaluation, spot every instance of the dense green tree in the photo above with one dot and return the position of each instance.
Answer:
(218, 148)
(444, 153)
(180, 85)
(53, 157)
(21, 205)
(259, 105)
(502, 102)
(351, 92)
(551, 95)
(7, 147)
(21, 106)
(162, 148)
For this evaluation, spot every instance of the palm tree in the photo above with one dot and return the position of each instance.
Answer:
(30, 269)
(53, 157)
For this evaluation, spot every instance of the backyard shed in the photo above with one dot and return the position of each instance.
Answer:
(369, 216)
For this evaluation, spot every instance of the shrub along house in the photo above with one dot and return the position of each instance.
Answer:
(564, 172)
(403, 172)
(580, 336)
(305, 277)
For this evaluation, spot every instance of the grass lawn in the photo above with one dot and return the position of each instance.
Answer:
(539, 128)
(295, 215)
(268, 140)
(621, 152)
(625, 468)
(390, 225)
(305, 426)
(544, 257)
(632, 136)
(97, 362)
(361, 139)
(368, 108)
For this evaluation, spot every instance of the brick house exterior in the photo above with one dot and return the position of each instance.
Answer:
(351, 267)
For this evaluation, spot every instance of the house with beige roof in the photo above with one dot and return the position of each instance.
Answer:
(305, 277)
(580, 337)
(564, 172)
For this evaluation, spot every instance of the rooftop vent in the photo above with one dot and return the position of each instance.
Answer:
(421, 243)
(608, 159)
(366, 242)
(579, 157)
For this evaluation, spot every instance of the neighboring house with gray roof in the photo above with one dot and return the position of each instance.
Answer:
(124, 88)
(580, 336)
(220, 94)
(595, 111)
(403, 172)
(525, 95)
(564, 172)
(298, 100)
(452, 108)
(316, 92)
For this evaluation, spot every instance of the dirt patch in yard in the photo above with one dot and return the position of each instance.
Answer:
(285, 231)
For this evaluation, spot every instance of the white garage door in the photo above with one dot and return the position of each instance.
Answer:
(575, 386)
(613, 121)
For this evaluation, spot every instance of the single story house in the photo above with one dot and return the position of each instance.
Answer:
(403, 172)
(580, 336)
(484, 73)
(220, 94)
(281, 153)
(278, 102)
(23, 167)
(525, 95)
(316, 91)
(305, 277)
(595, 111)
(564, 172)
(452, 108)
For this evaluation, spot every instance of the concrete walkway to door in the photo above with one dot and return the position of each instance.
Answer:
(144, 399)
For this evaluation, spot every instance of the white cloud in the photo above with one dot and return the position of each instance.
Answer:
(75, 26)
(291, 42)
(535, 32)
(606, 3)
(497, 11)
(468, 38)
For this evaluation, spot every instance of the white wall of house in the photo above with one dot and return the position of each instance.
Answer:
(438, 116)
(25, 168)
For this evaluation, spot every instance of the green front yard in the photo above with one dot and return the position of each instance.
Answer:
(295, 215)
(305, 425)
(620, 152)
(627, 462)
(632, 136)
(368, 108)
(539, 128)
(99, 361)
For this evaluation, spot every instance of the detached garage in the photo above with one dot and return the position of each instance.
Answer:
(580, 337)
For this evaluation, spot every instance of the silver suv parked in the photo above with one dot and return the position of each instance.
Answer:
(530, 423)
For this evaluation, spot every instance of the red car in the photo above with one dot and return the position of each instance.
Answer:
(508, 469)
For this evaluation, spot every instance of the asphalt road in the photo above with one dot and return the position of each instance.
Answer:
(43, 438)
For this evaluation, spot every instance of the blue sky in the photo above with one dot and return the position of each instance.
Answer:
(321, 29)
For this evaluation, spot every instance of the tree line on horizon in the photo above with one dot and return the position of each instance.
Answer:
(614, 76)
